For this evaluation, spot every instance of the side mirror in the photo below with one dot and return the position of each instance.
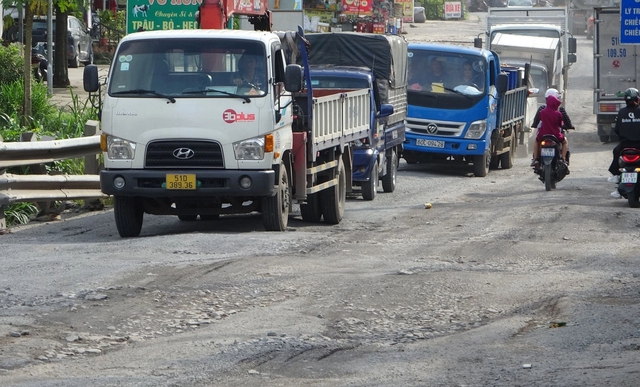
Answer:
(90, 79)
(503, 83)
(386, 109)
(573, 58)
(293, 78)
(573, 47)
(477, 42)
(533, 92)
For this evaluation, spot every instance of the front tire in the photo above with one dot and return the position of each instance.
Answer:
(128, 214)
(389, 180)
(333, 199)
(506, 159)
(370, 188)
(275, 209)
(481, 164)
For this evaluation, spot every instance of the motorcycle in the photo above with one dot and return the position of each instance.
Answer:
(630, 167)
(39, 63)
(551, 170)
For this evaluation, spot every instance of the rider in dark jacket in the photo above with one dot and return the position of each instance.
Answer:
(628, 130)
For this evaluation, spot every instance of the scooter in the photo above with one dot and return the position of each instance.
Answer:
(551, 170)
(630, 167)
(39, 64)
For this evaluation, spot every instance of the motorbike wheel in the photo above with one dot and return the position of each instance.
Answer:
(37, 75)
(547, 177)
(632, 198)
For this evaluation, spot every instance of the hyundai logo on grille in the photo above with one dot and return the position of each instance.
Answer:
(432, 128)
(183, 153)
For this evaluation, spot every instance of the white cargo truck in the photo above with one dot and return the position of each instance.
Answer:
(538, 36)
(185, 134)
(615, 69)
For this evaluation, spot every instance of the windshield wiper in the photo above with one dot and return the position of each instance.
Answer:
(457, 92)
(210, 90)
(144, 91)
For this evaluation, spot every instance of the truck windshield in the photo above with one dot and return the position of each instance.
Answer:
(541, 32)
(189, 68)
(446, 80)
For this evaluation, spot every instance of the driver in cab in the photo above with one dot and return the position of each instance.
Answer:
(248, 78)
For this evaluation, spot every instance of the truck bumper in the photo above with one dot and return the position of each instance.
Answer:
(363, 160)
(444, 146)
(210, 183)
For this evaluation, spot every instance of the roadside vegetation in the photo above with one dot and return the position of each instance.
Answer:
(46, 119)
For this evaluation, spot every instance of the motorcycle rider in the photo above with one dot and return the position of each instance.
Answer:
(551, 119)
(628, 130)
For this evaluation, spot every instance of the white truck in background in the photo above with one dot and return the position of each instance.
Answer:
(615, 69)
(182, 137)
(533, 35)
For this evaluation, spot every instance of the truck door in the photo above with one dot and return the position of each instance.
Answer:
(615, 63)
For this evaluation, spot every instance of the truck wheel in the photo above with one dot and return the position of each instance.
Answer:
(311, 211)
(275, 209)
(370, 188)
(128, 214)
(604, 139)
(481, 164)
(389, 180)
(332, 199)
(494, 163)
(506, 159)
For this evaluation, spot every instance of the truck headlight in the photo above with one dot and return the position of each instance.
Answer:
(250, 149)
(119, 149)
(476, 130)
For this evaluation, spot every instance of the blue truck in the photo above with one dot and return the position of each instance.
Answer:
(479, 121)
(350, 61)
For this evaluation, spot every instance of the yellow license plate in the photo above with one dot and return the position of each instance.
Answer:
(181, 181)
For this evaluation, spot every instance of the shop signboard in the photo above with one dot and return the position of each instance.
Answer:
(357, 7)
(452, 10)
(150, 15)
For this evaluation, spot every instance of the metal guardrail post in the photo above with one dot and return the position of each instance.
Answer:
(92, 165)
(92, 162)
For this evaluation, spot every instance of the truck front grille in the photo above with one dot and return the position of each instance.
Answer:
(435, 128)
(184, 154)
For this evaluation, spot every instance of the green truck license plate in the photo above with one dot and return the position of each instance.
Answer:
(181, 181)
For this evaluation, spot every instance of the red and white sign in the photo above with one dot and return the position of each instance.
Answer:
(230, 116)
(453, 10)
